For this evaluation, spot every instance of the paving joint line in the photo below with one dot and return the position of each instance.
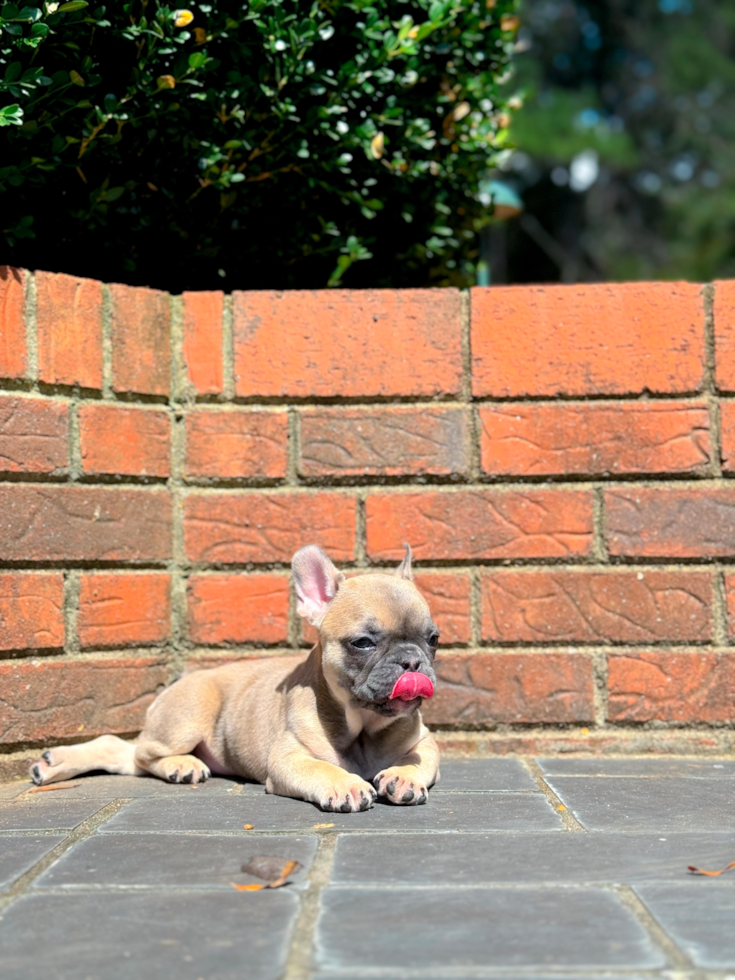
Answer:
(570, 822)
(299, 964)
(82, 831)
(656, 932)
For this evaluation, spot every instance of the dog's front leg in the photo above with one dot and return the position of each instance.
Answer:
(409, 779)
(292, 771)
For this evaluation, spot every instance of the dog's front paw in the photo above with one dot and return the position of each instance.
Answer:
(400, 785)
(349, 796)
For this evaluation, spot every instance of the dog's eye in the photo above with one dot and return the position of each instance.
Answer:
(433, 639)
(364, 643)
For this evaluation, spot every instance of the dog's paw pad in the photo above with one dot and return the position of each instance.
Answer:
(400, 789)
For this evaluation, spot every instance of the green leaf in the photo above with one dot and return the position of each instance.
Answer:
(72, 5)
(9, 11)
(13, 71)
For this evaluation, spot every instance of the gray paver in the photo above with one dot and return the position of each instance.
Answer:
(10, 790)
(666, 805)
(701, 925)
(170, 861)
(149, 936)
(139, 787)
(519, 858)
(469, 811)
(702, 768)
(43, 811)
(485, 776)
(454, 928)
(19, 854)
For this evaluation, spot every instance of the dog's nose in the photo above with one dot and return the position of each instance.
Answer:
(410, 661)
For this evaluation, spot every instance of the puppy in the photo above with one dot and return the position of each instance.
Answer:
(338, 728)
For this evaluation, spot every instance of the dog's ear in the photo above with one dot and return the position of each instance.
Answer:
(316, 581)
(404, 569)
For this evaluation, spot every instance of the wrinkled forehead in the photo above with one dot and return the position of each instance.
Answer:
(377, 603)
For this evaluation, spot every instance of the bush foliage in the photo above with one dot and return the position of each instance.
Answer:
(277, 143)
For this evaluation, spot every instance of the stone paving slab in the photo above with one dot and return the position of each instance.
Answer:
(485, 776)
(519, 858)
(19, 854)
(462, 928)
(449, 812)
(43, 811)
(701, 768)
(104, 786)
(10, 790)
(170, 861)
(667, 805)
(701, 925)
(148, 936)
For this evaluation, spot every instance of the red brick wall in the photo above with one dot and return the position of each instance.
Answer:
(559, 457)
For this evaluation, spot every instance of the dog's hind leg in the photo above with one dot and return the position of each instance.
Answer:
(108, 752)
(182, 719)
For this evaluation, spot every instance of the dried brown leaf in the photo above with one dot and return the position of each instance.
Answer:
(711, 874)
(47, 789)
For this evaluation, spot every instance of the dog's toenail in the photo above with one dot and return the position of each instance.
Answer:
(188, 777)
(346, 808)
(47, 757)
(408, 796)
(172, 777)
(391, 787)
(36, 774)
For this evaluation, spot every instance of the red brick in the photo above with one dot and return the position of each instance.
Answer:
(596, 607)
(62, 699)
(384, 441)
(498, 688)
(662, 522)
(267, 527)
(31, 610)
(69, 324)
(448, 596)
(730, 599)
(124, 610)
(348, 343)
(13, 358)
(203, 341)
(594, 437)
(141, 340)
(480, 524)
(606, 339)
(727, 423)
(723, 310)
(684, 688)
(238, 609)
(130, 441)
(231, 444)
(33, 435)
(79, 523)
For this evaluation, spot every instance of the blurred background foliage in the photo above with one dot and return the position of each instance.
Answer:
(626, 144)
(265, 144)
(290, 143)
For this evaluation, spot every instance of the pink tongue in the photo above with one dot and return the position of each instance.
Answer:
(412, 685)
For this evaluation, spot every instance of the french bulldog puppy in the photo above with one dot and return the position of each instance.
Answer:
(338, 728)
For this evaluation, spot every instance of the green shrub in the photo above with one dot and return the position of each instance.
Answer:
(275, 143)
